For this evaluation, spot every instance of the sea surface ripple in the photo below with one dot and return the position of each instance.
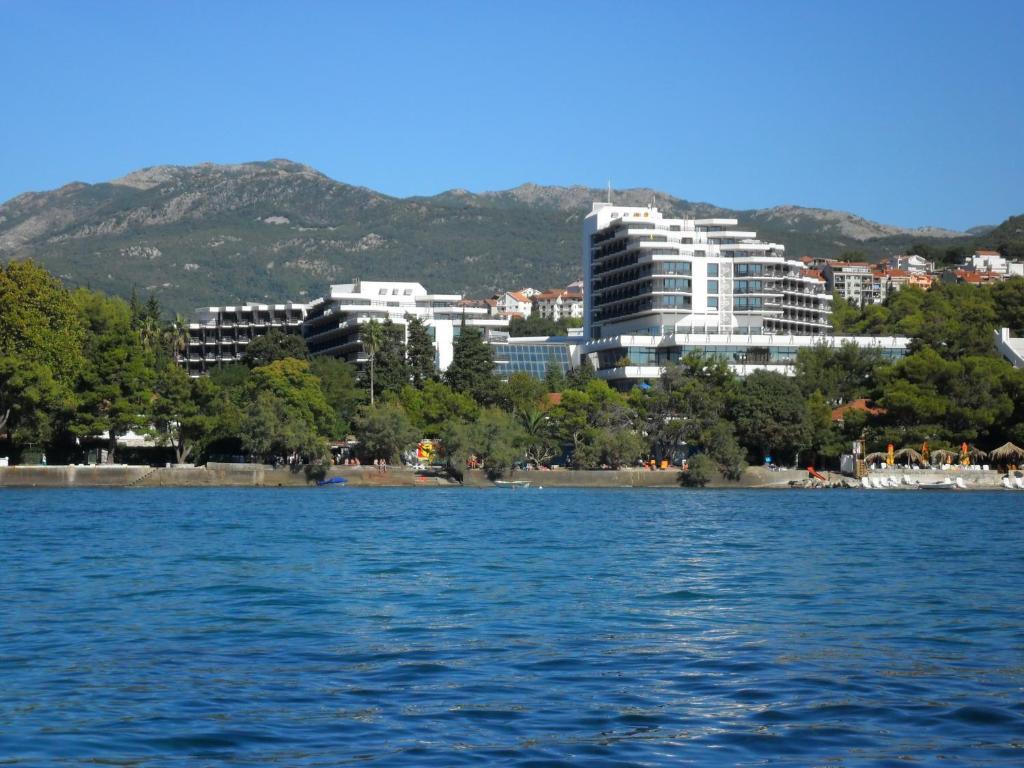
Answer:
(532, 627)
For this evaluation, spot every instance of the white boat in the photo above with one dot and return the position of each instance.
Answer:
(944, 485)
(512, 484)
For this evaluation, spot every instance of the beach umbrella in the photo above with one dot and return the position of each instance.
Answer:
(942, 456)
(1007, 453)
(909, 453)
(976, 454)
(871, 458)
(925, 456)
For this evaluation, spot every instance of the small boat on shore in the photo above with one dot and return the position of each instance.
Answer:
(332, 481)
(944, 485)
(512, 484)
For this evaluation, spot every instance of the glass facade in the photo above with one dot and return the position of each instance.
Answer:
(533, 358)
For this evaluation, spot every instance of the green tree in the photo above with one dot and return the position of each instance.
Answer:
(554, 378)
(494, 438)
(580, 376)
(521, 393)
(274, 345)
(183, 411)
(535, 325)
(41, 335)
(340, 386)
(699, 471)
(1008, 297)
(285, 412)
(724, 449)
(384, 431)
(540, 440)
(585, 417)
(768, 413)
(31, 401)
(114, 389)
(420, 352)
(472, 367)
(392, 368)
(40, 322)
(845, 315)
(436, 405)
(840, 374)
(820, 438)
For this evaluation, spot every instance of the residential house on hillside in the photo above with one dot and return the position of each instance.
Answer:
(993, 262)
(972, 277)
(912, 263)
(558, 304)
(513, 303)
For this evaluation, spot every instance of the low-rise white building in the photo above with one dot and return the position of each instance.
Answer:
(912, 263)
(334, 324)
(625, 360)
(513, 303)
(1010, 347)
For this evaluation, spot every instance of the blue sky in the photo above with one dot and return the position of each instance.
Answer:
(910, 113)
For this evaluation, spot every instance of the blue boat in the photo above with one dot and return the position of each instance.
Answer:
(332, 481)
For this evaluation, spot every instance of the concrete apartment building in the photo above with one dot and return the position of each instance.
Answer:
(858, 282)
(220, 335)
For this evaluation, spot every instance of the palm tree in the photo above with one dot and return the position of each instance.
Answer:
(372, 336)
(539, 441)
(175, 335)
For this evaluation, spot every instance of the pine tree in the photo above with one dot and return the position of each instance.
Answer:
(420, 352)
(392, 367)
(472, 367)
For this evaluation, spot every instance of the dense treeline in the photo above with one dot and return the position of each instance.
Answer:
(78, 365)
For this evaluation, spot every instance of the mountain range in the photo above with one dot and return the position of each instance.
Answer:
(278, 230)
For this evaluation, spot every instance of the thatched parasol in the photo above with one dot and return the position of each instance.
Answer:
(942, 456)
(1007, 453)
(976, 453)
(909, 453)
(871, 458)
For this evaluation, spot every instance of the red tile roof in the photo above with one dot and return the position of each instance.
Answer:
(861, 404)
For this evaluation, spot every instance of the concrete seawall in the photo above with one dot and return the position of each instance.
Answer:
(261, 475)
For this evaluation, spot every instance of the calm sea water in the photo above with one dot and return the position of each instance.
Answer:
(524, 628)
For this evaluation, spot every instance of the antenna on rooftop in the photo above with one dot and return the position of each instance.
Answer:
(609, 191)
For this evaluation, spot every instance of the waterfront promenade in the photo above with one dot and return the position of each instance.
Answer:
(264, 475)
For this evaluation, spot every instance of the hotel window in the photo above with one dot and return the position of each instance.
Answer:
(383, 292)
(713, 271)
(712, 286)
(712, 302)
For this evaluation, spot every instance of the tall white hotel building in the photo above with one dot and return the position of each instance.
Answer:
(652, 275)
(657, 288)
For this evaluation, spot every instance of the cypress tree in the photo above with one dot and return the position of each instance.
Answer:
(420, 353)
(472, 368)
